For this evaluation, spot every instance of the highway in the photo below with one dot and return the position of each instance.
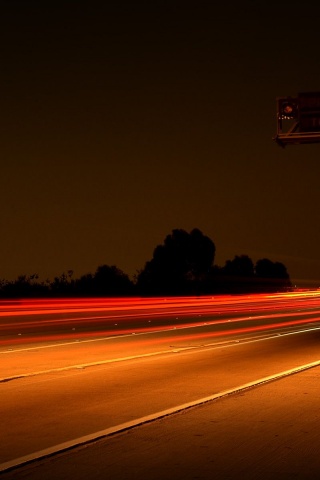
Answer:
(74, 367)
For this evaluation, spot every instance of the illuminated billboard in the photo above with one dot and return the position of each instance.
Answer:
(298, 119)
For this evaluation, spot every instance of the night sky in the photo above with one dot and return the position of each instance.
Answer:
(122, 120)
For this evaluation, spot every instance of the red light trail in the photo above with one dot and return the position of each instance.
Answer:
(80, 319)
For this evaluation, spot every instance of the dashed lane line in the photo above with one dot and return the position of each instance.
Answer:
(210, 346)
(92, 364)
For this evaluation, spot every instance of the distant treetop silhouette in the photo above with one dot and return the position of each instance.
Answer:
(178, 265)
(182, 265)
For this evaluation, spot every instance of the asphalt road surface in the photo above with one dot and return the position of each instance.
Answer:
(72, 368)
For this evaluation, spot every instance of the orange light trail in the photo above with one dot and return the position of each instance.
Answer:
(225, 302)
(127, 316)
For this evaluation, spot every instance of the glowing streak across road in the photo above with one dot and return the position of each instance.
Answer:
(43, 320)
(225, 302)
(145, 355)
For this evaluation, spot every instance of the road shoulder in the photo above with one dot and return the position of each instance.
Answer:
(270, 431)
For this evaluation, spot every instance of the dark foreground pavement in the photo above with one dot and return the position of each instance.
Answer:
(268, 432)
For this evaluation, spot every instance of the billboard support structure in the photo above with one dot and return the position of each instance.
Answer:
(298, 119)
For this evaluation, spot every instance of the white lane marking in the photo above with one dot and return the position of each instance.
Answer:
(265, 337)
(93, 437)
(74, 342)
(189, 349)
(112, 337)
(92, 364)
(119, 336)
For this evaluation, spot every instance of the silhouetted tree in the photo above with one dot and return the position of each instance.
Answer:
(24, 286)
(271, 276)
(111, 281)
(240, 267)
(84, 286)
(237, 276)
(63, 285)
(179, 266)
(182, 265)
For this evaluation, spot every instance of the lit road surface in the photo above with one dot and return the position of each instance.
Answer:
(70, 368)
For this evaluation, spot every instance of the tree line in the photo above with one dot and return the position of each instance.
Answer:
(182, 265)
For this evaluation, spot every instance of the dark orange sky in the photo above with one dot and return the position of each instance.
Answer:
(121, 121)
